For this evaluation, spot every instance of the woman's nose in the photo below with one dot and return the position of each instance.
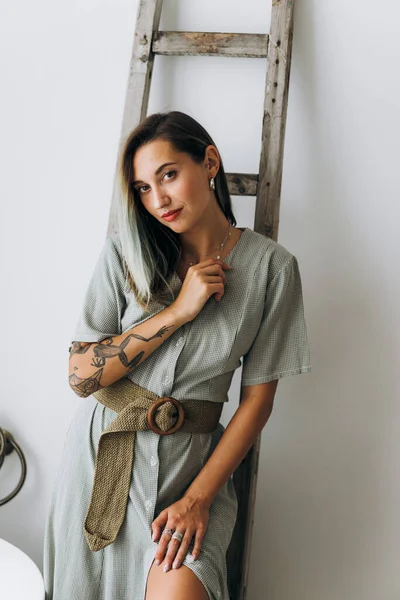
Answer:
(159, 198)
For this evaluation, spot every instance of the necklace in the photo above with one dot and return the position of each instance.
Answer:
(219, 248)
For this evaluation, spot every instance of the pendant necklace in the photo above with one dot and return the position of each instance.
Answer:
(219, 248)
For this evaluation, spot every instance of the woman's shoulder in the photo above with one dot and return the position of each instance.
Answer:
(274, 256)
(112, 248)
(111, 256)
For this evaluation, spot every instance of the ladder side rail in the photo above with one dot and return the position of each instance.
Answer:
(138, 85)
(274, 119)
(266, 222)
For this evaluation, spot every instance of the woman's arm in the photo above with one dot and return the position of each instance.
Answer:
(94, 365)
(189, 515)
(240, 434)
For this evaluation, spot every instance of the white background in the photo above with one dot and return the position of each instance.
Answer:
(327, 511)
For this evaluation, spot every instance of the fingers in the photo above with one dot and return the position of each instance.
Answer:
(225, 265)
(183, 523)
(175, 551)
(198, 542)
(212, 267)
(163, 545)
(173, 547)
(182, 550)
(215, 277)
(158, 525)
(212, 271)
(217, 289)
(215, 270)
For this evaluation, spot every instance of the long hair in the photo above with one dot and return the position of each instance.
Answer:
(151, 251)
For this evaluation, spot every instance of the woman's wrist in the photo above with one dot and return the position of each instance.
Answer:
(174, 316)
(195, 496)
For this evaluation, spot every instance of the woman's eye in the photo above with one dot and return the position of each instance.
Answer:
(170, 173)
(141, 189)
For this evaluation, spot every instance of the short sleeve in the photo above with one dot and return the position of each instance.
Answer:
(281, 345)
(104, 301)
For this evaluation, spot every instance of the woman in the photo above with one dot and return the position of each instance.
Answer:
(178, 297)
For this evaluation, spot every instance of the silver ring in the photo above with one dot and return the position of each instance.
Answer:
(177, 536)
(169, 531)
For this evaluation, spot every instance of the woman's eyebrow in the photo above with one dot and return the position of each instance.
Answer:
(157, 172)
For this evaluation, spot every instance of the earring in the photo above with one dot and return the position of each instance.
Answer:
(212, 184)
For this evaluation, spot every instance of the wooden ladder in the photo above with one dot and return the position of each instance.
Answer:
(266, 185)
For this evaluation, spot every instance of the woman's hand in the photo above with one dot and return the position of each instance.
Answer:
(186, 516)
(201, 281)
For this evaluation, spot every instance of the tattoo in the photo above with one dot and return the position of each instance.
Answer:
(107, 349)
(85, 387)
(102, 351)
(79, 348)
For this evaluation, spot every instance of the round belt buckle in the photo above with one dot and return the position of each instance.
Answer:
(152, 410)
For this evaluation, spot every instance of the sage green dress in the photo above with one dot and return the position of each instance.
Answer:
(258, 324)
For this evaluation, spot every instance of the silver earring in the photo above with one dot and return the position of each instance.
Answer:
(212, 184)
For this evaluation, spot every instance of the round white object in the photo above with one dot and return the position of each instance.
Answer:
(20, 578)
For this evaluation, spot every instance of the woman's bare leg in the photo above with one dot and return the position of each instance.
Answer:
(177, 584)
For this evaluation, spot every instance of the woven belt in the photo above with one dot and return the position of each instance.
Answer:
(138, 409)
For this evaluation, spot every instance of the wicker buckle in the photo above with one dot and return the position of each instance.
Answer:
(152, 410)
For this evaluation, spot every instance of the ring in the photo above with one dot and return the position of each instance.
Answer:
(169, 531)
(177, 536)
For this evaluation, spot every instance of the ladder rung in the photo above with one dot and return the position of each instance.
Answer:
(242, 184)
(192, 43)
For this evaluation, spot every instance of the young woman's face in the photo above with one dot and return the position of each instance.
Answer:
(167, 180)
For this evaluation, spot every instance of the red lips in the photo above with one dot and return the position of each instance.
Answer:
(171, 212)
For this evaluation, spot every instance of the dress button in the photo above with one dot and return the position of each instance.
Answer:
(148, 504)
(153, 461)
(166, 380)
(179, 342)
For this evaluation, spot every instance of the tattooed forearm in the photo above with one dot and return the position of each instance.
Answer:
(85, 387)
(78, 348)
(107, 349)
(100, 362)
(94, 370)
(159, 333)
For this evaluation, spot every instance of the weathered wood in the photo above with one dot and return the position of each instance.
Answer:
(242, 184)
(195, 43)
(266, 222)
(244, 479)
(138, 85)
(274, 118)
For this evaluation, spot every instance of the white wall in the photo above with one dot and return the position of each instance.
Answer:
(327, 523)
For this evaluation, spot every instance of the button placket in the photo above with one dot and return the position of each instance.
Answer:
(167, 380)
(150, 482)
